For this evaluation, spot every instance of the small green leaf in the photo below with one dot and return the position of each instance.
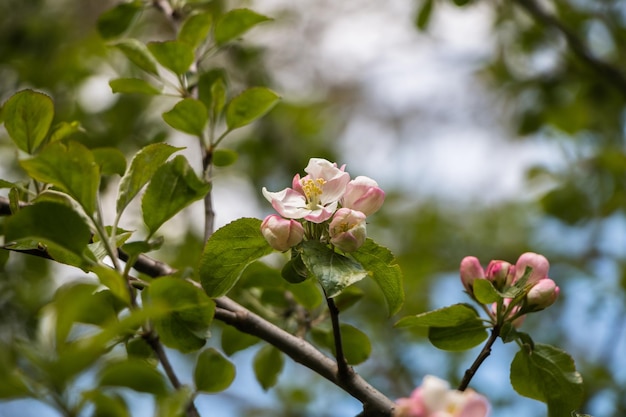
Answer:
(462, 337)
(7, 184)
(249, 106)
(59, 228)
(333, 270)
(268, 364)
(110, 160)
(224, 157)
(115, 21)
(212, 90)
(356, 345)
(294, 271)
(185, 326)
(174, 55)
(308, 293)
(188, 115)
(143, 166)
(485, 292)
(27, 117)
(228, 252)
(173, 187)
(381, 265)
(424, 14)
(112, 279)
(195, 29)
(548, 374)
(233, 340)
(138, 54)
(213, 373)
(133, 85)
(71, 167)
(450, 316)
(134, 374)
(175, 403)
(64, 130)
(107, 405)
(235, 23)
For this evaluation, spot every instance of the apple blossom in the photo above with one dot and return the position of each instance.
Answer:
(538, 263)
(434, 398)
(347, 229)
(500, 273)
(280, 233)
(364, 195)
(543, 294)
(314, 197)
(470, 271)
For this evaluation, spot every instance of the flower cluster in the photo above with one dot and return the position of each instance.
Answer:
(529, 275)
(325, 204)
(434, 398)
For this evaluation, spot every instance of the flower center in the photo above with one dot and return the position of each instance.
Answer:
(313, 190)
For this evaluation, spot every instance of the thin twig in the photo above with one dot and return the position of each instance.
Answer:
(605, 69)
(484, 353)
(342, 364)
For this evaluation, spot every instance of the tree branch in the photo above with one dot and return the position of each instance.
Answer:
(375, 404)
(576, 45)
(484, 354)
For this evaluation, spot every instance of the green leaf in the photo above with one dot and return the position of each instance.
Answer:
(235, 23)
(107, 405)
(462, 337)
(195, 29)
(115, 21)
(424, 14)
(138, 54)
(228, 252)
(548, 374)
(70, 167)
(356, 345)
(450, 316)
(110, 160)
(213, 373)
(7, 184)
(27, 116)
(189, 313)
(224, 157)
(173, 187)
(133, 85)
(143, 166)
(308, 293)
(57, 227)
(173, 55)
(485, 292)
(134, 374)
(112, 279)
(176, 403)
(233, 340)
(188, 115)
(380, 263)
(249, 106)
(333, 270)
(64, 130)
(212, 90)
(268, 364)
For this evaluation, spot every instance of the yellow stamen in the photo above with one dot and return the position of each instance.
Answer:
(313, 190)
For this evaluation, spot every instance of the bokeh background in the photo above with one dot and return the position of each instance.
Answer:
(494, 128)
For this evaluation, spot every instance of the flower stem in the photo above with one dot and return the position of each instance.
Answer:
(484, 353)
(342, 365)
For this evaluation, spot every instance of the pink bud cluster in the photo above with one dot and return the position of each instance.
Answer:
(434, 398)
(539, 290)
(326, 196)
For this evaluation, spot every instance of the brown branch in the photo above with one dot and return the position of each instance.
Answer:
(342, 364)
(484, 354)
(375, 404)
(577, 46)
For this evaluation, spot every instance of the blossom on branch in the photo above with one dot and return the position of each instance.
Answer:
(364, 195)
(281, 234)
(347, 229)
(434, 398)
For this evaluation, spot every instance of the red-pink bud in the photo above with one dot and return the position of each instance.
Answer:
(543, 294)
(280, 233)
(364, 195)
(470, 271)
(347, 229)
(538, 263)
(500, 273)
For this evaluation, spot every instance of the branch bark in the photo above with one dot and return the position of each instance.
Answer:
(375, 404)
(603, 68)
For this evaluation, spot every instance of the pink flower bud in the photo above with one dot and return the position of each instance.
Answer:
(347, 229)
(470, 271)
(538, 263)
(280, 233)
(500, 273)
(543, 294)
(363, 194)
